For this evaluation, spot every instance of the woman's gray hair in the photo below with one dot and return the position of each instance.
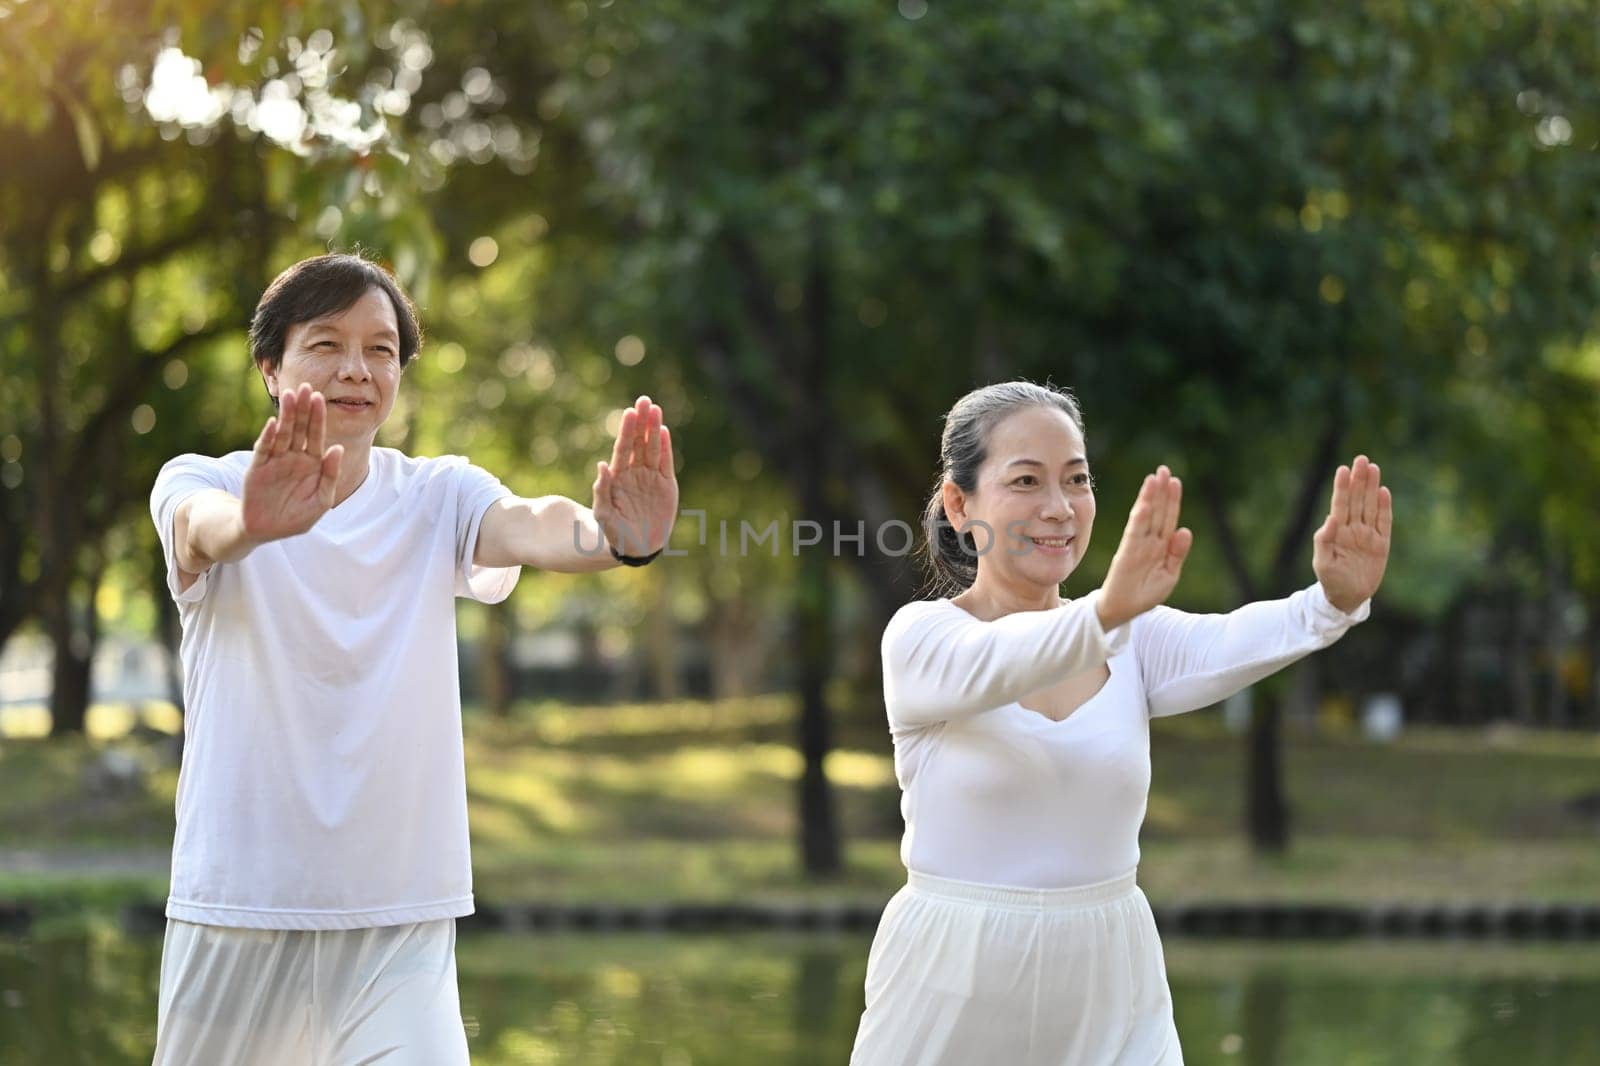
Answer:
(951, 558)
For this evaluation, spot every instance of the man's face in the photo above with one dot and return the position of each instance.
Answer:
(352, 358)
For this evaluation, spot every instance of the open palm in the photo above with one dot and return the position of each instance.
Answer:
(1351, 549)
(291, 480)
(1149, 559)
(636, 493)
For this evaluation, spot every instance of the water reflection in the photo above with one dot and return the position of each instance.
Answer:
(88, 997)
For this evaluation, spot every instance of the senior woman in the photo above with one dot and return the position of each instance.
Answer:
(1020, 722)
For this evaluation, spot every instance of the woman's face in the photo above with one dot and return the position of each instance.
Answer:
(1033, 497)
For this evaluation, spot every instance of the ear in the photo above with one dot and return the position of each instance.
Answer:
(269, 376)
(955, 504)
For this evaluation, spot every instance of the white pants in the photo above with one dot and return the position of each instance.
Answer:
(963, 974)
(278, 997)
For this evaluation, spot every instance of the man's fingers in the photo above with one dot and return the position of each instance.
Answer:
(666, 466)
(625, 434)
(317, 429)
(302, 419)
(328, 488)
(281, 436)
(650, 444)
(263, 446)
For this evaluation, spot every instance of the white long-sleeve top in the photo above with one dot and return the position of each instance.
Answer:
(999, 794)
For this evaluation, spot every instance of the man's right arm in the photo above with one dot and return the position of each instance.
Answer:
(290, 484)
(208, 528)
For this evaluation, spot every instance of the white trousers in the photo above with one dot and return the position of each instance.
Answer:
(963, 975)
(279, 997)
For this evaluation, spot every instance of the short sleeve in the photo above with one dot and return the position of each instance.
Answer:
(179, 479)
(476, 491)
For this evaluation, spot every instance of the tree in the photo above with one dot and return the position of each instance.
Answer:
(1212, 213)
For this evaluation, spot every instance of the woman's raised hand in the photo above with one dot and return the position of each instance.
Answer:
(1150, 558)
(292, 478)
(1351, 549)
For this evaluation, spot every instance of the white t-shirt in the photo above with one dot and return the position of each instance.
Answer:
(998, 794)
(323, 784)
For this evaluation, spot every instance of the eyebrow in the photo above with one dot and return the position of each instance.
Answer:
(320, 326)
(1035, 462)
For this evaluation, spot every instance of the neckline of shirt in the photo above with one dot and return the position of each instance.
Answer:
(352, 503)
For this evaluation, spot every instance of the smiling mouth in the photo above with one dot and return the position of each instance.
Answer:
(349, 405)
(1052, 544)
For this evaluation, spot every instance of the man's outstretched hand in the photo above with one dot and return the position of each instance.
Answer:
(636, 493)
(292, 477)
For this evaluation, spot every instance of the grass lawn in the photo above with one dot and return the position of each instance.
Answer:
(694, 800)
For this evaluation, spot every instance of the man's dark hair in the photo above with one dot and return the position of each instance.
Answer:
(325, 285)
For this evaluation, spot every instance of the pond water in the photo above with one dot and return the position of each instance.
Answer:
(88, 997)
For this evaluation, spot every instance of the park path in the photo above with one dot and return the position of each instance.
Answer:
(87, 861)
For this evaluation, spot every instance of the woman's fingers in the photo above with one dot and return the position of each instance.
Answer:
(1339, 510)
(1178, 547)
(1155, 512)
(1139, 516)
(1385, 512)
(1174, 507)
(1158, 501)
(1360, 485)
(1369, 498)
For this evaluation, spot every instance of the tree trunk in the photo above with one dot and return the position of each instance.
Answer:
(169, 627)
(819, 830)
(1266, 805)
(74, 631)
(1555, 640)
(1267, 811)
(661, 643)
(494, 661)
(733, 645)
(1519, 660)
(1264, 1010)
(820, 850)
(1594, 662)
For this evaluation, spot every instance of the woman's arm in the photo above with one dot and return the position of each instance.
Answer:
(940, 663)
(1189, 661)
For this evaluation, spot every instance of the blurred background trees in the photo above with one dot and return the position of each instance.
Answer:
(1255, 238)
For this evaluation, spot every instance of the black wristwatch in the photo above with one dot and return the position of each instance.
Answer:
(634, 560)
